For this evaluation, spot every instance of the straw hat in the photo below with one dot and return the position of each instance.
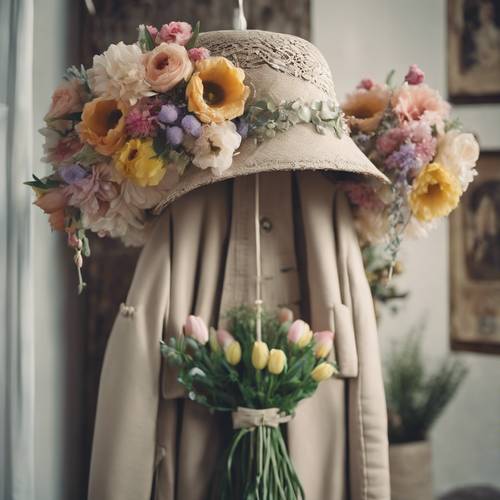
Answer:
(279, 67)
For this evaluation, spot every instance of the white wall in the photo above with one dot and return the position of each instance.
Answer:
(57, 363)
(366, 38)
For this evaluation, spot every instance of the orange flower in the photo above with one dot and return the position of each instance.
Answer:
(216, 91)
(103, 125)
(364, 109)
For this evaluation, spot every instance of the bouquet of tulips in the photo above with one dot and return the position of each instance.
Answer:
(260, 382)
(407, 132)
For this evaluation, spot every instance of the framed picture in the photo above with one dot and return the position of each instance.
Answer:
(475, 262)
(474, 51)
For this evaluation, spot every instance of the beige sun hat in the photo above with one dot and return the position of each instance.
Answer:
(278, 67)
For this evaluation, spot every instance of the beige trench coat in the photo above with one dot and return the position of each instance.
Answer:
(149, 440)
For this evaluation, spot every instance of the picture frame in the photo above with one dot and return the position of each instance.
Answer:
(474, 51)
(475, 262)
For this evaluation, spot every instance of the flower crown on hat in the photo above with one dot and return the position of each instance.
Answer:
(121, 134)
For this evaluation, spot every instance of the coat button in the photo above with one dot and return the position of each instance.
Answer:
(266, 224)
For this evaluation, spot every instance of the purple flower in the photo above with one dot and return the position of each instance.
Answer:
(191, 125)
(175, 135)
(242, 127)
(72, 173)
(404, 159)
(168, 113)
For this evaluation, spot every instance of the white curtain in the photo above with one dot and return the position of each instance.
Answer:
(16, 316)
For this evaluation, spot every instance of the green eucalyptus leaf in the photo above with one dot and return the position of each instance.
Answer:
(194, 37)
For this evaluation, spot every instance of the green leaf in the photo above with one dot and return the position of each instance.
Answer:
(390, 77)
(194, 36)
(160, 144)
(145, 41)
(88, 156)
(43, 184)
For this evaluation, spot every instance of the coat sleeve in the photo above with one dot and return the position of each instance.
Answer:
(124, 443)
(368, 443)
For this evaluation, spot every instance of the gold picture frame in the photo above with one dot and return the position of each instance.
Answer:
(475, 262)
(473, 51)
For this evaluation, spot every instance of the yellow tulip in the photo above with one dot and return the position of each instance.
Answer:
(260, 355)
(323, 371)
(212, 339)
(233, 353)
(277, 361)
(305, 339)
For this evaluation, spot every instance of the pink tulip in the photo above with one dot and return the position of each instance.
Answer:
(195, 327)
(52, 201)
(285, 315)
(415, 75)
(224, 338)
(323, 343)
(299, 332)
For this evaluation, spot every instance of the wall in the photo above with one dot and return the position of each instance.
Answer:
(365, 38)
(57, 364)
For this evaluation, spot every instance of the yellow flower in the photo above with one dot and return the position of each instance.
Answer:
(212, 339)
(323, 371)
(305, 339)
(233, 353)
(260, 355)
(103, 125)
(435, 193)
(138, 162)
(277, 361)
(365, 108)
(216, 92)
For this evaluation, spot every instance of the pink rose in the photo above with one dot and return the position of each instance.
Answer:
(67, 98)
(415, 75)
(166, 65)
(224, 338)
(366, 83)
(177, 32)
(420, 103)
(52, 201)
(323, 343)
(198, 54)
(195, 327)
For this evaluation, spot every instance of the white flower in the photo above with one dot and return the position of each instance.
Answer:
(120, 221)
(372, 225)
(215, 147)
(416, 229)
(119, 73)
(458, 153)
(149, 196)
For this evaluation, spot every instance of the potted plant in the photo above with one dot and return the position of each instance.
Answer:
(416, 396)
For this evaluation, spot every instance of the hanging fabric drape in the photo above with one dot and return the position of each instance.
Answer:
(16, 323)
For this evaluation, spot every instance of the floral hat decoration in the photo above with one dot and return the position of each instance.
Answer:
(177, 110)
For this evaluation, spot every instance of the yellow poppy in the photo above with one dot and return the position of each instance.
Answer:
(103, 125)
(435, 193)
(216, 92)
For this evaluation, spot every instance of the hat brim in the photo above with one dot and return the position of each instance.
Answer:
(299, 148)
